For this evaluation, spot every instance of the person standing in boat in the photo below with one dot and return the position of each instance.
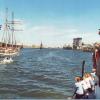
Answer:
(79, 88)
(96, 61)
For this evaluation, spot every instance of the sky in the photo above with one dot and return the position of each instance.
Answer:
(54, 22)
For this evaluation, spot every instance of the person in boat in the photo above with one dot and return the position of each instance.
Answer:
(88, 82)
(96, 60)
(93, 74)
(85, 88)
(79, 89)
(91, 79)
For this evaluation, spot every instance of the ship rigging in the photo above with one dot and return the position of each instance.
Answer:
(8, 44)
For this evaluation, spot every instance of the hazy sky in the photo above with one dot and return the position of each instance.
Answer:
(54, 22)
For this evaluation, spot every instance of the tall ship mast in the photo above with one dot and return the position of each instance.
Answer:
(8, 44)
(6, 38)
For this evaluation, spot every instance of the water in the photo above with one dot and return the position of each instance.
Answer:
(42, 74)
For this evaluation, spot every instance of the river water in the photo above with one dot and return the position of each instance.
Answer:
(42, 74)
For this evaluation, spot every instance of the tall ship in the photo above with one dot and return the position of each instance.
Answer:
(8, 44)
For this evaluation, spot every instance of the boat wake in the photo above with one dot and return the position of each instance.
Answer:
(6, 60)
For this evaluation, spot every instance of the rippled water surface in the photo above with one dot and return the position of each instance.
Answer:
(45, 73)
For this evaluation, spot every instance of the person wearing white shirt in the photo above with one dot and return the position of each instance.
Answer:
(85, 88)
(92, 82)
(79, 89)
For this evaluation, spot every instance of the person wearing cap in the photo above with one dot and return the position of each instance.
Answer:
(96, 60)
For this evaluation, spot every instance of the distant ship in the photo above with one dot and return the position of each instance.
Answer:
(67, 47)
(41, 46)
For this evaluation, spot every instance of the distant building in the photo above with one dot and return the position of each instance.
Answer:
(77, 43)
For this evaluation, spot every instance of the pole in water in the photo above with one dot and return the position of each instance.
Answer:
(83, 63)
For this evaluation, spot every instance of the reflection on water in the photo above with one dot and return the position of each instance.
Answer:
(45, 73)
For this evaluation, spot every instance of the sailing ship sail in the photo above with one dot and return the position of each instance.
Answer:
(41, 46)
